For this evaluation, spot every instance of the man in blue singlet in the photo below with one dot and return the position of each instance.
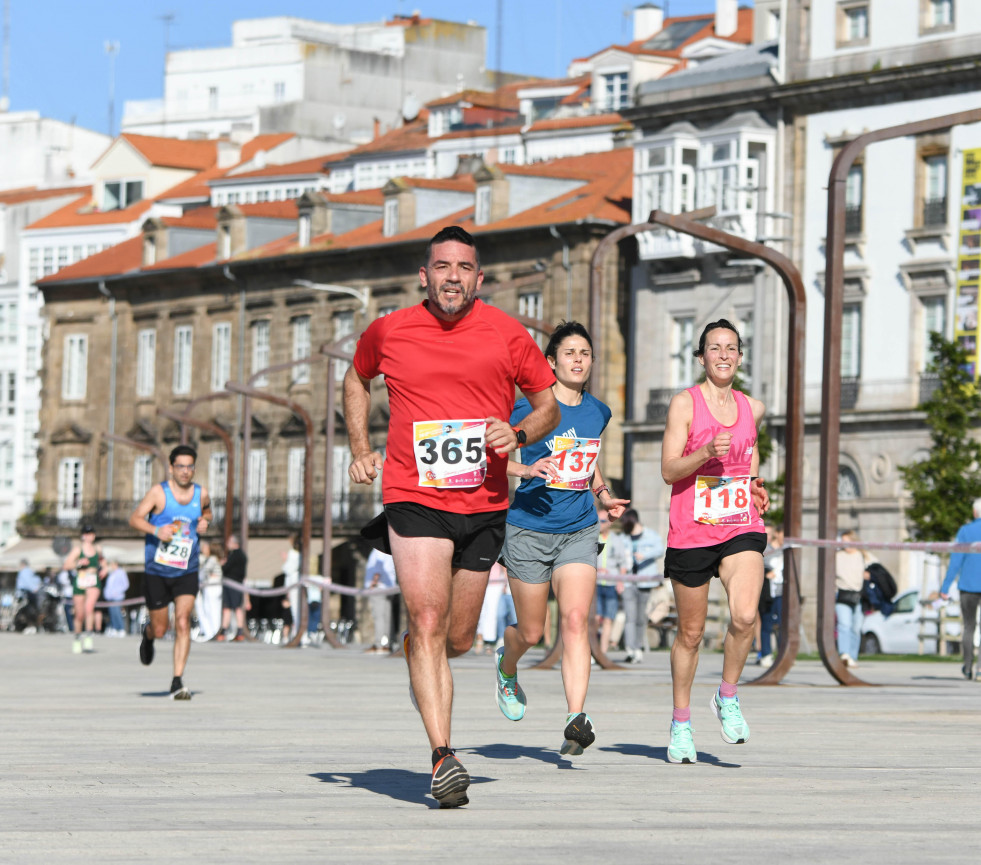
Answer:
(172, 515)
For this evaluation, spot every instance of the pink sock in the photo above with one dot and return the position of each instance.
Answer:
(727, 691)
(681, 716)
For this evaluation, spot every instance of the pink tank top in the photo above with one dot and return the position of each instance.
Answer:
(684, 531)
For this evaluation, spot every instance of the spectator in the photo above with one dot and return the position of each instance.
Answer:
(644, 548)
(379, 573)
(851, 570)
(64, 580)
(291, 577)
(28, 583)
(233, 598)
(207, 605)
(114, 591)
(771, 598)
(965, 570)
(613, 561)
(487, 631)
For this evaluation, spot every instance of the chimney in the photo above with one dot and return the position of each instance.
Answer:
(726, 17)
(648, 20)
(378, 127)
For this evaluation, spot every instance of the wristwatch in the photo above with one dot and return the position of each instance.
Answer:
(521, 435)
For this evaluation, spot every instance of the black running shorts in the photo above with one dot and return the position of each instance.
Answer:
(695, 567)
(477, 538)
(160, 591)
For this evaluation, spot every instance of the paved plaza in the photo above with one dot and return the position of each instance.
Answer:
(287, 756)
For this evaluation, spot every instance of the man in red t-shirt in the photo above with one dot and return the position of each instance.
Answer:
(450, 365)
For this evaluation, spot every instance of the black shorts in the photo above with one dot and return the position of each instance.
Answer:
(695, 567)
(160, 591)
(477, 538)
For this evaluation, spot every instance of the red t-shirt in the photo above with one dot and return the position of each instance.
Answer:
(438, 371)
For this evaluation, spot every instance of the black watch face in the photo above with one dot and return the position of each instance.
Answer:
(522, 436)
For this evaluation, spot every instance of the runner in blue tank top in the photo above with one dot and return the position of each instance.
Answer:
(172, 515)
(552, 534)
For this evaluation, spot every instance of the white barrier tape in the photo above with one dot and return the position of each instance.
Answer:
(926, 546)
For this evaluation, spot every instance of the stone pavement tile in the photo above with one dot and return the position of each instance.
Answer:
(293, 755)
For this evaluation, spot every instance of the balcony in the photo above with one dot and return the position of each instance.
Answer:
(267, 516)
(934, 212)
(928, 386)
(657, 404)
(849, 391)
(853, 219)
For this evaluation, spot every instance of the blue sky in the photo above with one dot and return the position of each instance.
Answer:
(58, 63)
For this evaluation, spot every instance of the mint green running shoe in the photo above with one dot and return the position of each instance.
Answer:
(510, 697)
(681, 748)
(735, 730)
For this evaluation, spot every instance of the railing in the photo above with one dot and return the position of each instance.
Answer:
(853, 219)
(928, 386)
(266, 515)
(849, 391)
(934, 212)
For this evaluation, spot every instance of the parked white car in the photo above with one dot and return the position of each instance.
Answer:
(899, 633)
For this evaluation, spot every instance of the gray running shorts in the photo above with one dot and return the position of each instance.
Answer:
(532, 556)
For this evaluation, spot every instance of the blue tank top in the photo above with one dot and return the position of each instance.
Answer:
(180, 556)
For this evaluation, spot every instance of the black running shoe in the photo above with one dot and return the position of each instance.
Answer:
(178, 691)
(578, 734)
(146, 650)
(450, 779)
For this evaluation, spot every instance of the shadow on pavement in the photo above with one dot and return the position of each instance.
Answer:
(398, 784)
(632, 750)
(501, 751)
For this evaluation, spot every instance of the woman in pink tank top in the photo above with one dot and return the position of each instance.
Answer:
(710, 459)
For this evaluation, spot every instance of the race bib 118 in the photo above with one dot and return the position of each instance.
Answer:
(722, 501)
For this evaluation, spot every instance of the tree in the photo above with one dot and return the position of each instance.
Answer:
(943, 486)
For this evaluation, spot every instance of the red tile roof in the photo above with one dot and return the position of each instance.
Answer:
(174, 152)
(200, 217)
(199, 257)
(412, 136)
(263, 142)
(197, 186)
(82, 212)
(359, 196)
(271, 209)
(121, 258)
(315, 165)
(33, 193)
(742, 35)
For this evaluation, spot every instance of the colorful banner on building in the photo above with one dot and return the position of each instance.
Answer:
(969, 261)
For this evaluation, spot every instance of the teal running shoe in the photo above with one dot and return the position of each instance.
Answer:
(681, 748)
(510, 697)
(735, 730)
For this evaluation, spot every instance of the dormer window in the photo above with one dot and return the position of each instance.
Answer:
(149, 251)
(303, 235)
(225, 233)
(616, 90)
(119, 194)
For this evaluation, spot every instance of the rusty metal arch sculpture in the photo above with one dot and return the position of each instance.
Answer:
(831, 374)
